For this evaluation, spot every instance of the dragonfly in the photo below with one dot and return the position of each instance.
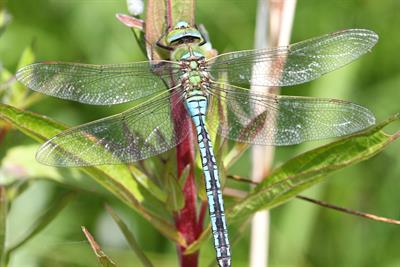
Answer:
(215, 97)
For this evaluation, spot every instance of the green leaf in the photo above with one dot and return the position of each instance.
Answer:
(130, 238)
(312, 167)
(27, 57)
(103, 259)
(5, 19)
(175, 199)
(18, 92)
(59, 203)
(174, 185)
(147, 183)
(19, 164)
(195, 246)
(117, 179)
(3, 219)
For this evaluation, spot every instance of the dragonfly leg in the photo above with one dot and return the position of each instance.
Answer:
(204, 34)
(164, 46)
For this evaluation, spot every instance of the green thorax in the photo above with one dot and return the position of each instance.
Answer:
(186, 42)
(192, 56)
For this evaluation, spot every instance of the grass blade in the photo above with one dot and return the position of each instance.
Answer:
(130, 238)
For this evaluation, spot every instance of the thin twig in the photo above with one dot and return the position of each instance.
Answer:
(241, 179)
(315, 201)
(349, 211)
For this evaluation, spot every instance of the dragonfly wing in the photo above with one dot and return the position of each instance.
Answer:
(296, 63)
(97, 84)
(283, 120)
(133, 135)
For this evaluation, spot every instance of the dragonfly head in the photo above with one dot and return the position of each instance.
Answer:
(183, 33)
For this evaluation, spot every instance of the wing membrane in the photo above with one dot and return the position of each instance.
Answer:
(294, 64)
(284, 120)
(97, 84)
(133, 135)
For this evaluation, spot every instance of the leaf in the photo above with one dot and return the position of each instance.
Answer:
(104, 260)
(130, 238)
(58, 204)
(312, 167)
(5, 19)
(27, 57)
(175, 199)
(155, 27)
(18, 92)
(19, 164)
(117, 179)
(195, 246)
(147, 183)
(3, 220)
(130, 21)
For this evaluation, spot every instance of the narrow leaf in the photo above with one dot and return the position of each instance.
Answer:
(117, 179)
(19, 164)
(103, 259)
(312, 167)
(58, 204)
(155, 27)
(5, 18)
(195, 246)
(18, 92)
(130, 21)
(175, 199)
(147, 183)
(130, 238)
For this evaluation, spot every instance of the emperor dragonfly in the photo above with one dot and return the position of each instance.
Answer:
(192, 81)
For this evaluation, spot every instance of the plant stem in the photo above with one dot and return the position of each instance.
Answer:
(273, 28)
(186, 219)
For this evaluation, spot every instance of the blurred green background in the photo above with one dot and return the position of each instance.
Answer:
(302, 234)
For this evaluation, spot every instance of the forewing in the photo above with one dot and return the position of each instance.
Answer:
(293, 64)
(98, 84)
(283, 120)
(133, 135)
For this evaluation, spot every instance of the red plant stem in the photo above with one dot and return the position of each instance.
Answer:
(186, 219)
